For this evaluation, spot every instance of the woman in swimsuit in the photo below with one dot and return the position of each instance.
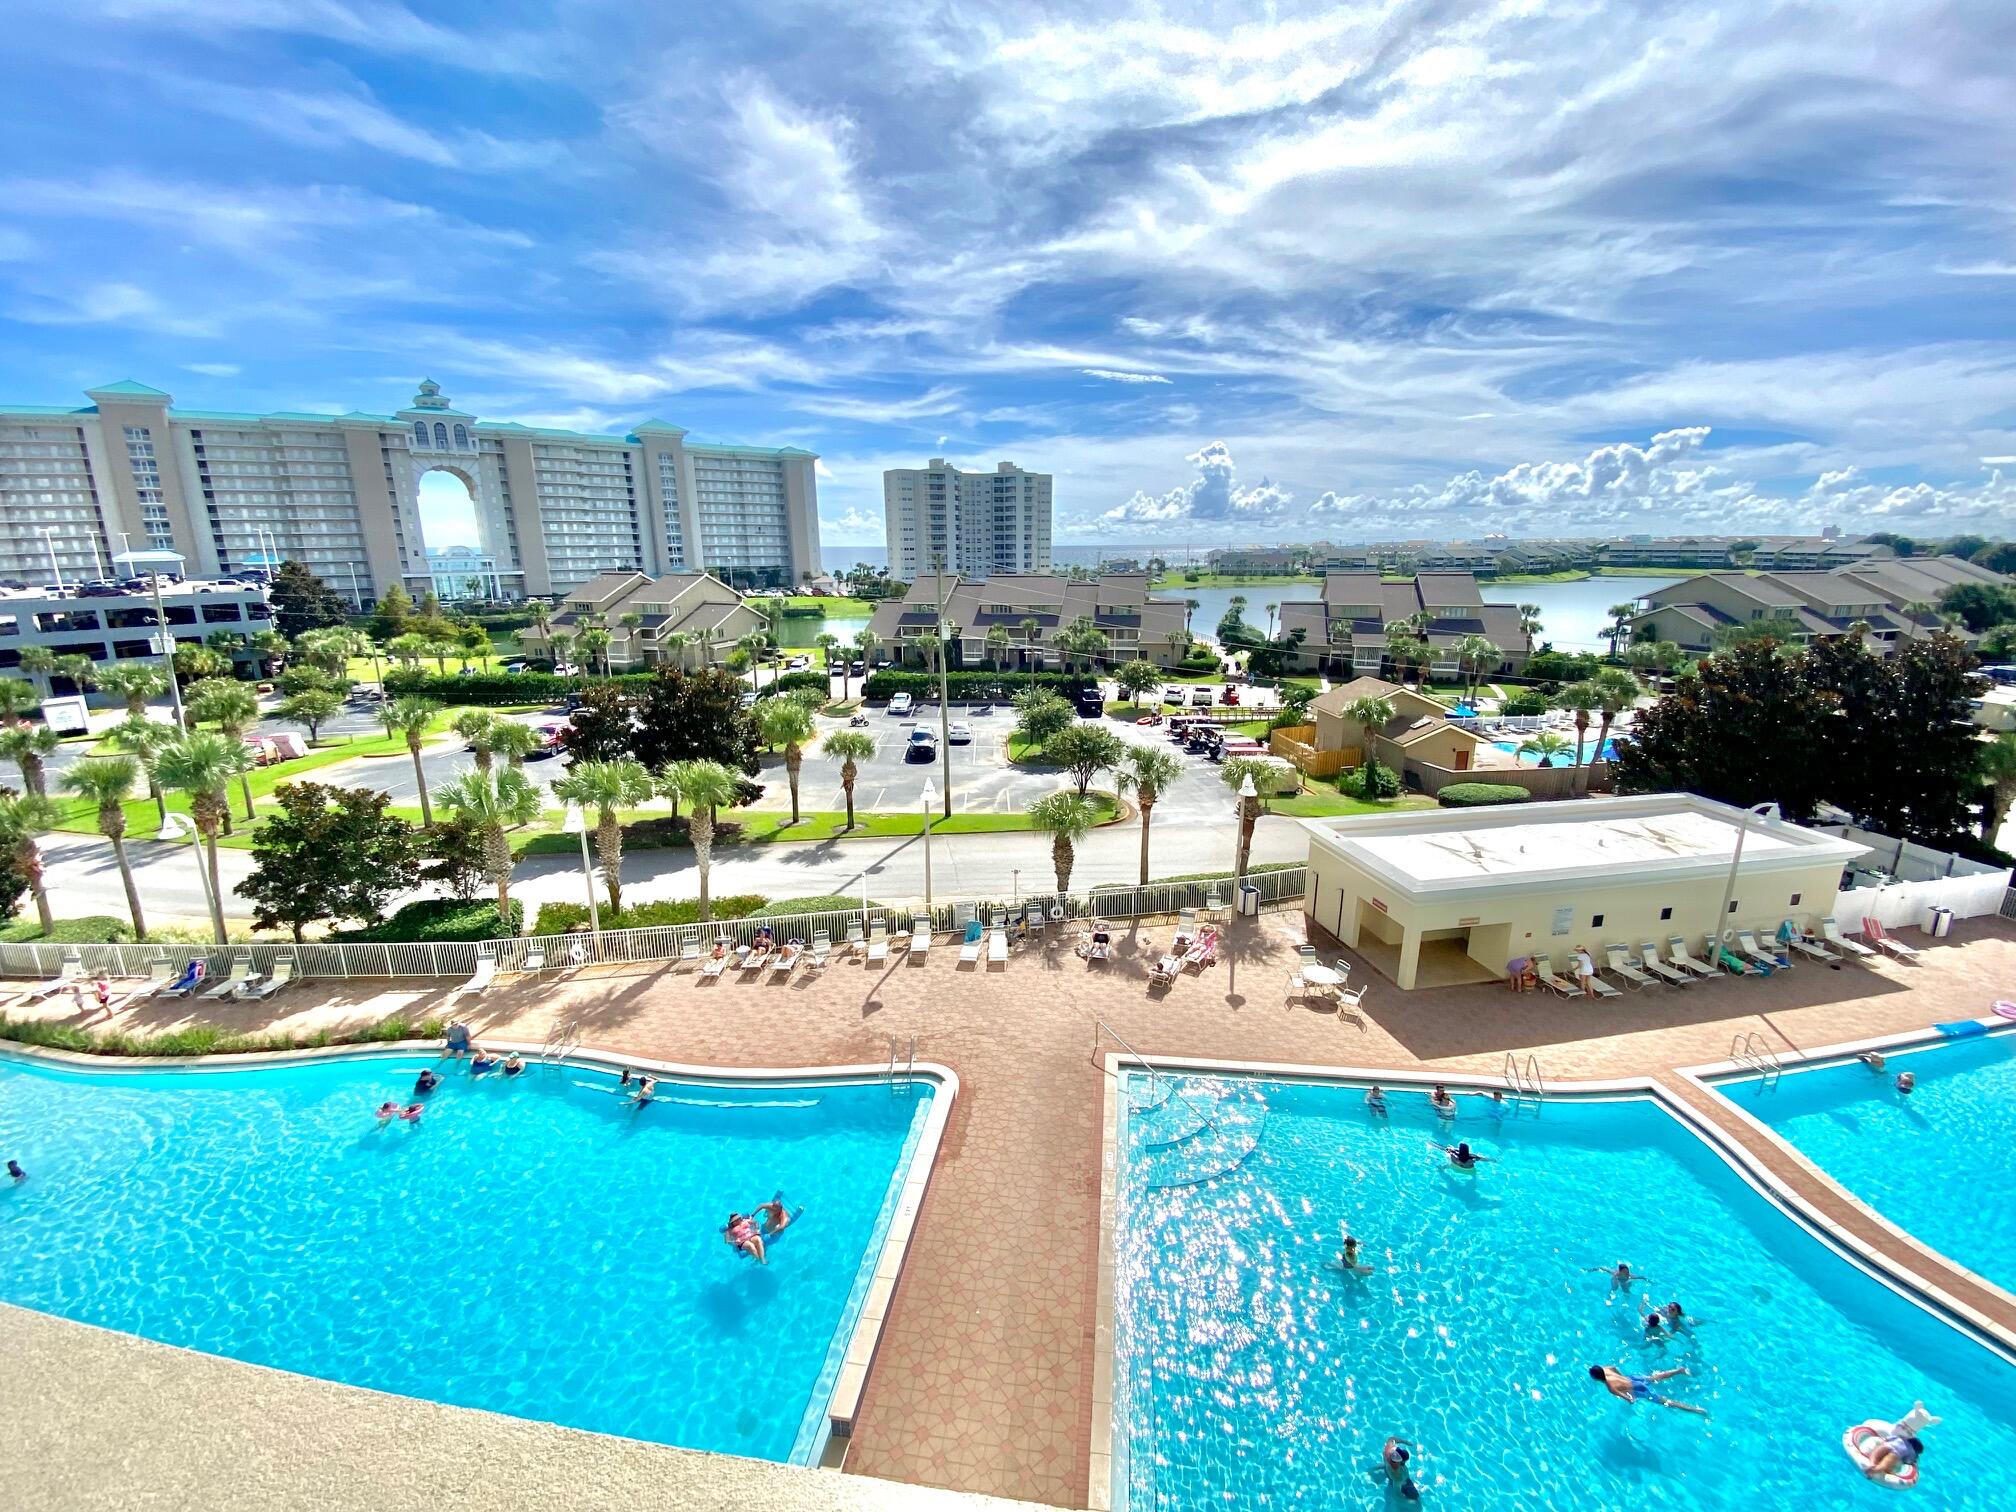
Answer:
(741, 1234)
(1463, 1157)
(1638, 1388)
(1442, 1102)
(1375, 1101)
(514, 1064)
(1348, 1259)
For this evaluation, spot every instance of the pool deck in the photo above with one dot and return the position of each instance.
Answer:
(984, 1378)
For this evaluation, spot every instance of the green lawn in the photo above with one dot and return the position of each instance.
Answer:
(833, 608)
(1328, 803)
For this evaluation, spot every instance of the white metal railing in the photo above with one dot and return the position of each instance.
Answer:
(1525, 1080)
(902, 1064)
(1748, 1048)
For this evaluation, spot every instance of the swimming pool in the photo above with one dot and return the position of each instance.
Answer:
(1934, 1163)
(1250, 1371)
(1566, 758)
(533, 1247)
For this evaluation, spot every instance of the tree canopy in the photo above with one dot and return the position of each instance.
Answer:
(328, 853)
(302, 601)
(694, 716)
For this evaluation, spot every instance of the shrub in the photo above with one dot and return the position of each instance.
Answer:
(1224, 876)
(92, 929)
(494, 687)
(208, 1040)
(791, 682)
(558, 918)
(1528, 702)
(1373, 780)
(970, 685)
(437, 921)
(1480, 794)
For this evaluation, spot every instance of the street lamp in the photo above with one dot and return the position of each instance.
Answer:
(574, 821)
(165, 644)
(930, 797)
(181, 827)
(49, 539)
(1715, 934)
(1249, 796)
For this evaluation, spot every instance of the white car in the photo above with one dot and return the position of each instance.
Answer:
(901, 703)
(961, 733)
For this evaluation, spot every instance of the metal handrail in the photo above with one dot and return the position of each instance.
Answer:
(1526, 1080)
(909, 1071)
(1749, 1048)
(1100, 1025)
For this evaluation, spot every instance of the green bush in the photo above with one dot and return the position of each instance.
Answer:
(495, 687)
(208, 1040)
(1480, 794)
(92, 929)
(1200, 661)
(970, 685)
(1527, 702)
(791, 682)
(1225, 876)
(1373, 780)
(437, 921)
(558, 918)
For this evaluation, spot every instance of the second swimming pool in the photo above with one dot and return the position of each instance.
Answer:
(1251, 1371)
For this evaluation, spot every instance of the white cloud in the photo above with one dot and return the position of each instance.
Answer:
(855, 522)
(1212, 497)
(214, 369)
(938, 401)
(1112, 375)
(820, 469)
(113, 303)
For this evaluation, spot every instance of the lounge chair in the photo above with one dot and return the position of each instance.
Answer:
(1163, 972)
(535, 960)
(854, 937)
(878, 941)
(72, 968)
(479, 980)
(997, 945)
(1204, 951)
(1620, 963)
(191, 977)
(969, 948)
(920, 936)
(1795, 938)
(1770, 960)
(715, 964)
(821, 948)
(159, 975)
(239, 974)
(264, 987)
(1543, 969)
(755, 960)
(1854, 949)
(689, 953)
(1676, 951)
(786, 960)
(1672, 976)
(1097, 946)
(1735, 965)
(1872, 930)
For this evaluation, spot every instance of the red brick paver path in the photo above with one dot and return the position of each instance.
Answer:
(983, 1380)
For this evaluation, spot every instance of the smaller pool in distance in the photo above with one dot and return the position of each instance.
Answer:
(1936, 1163)
(1566, 758)
(535, 1247)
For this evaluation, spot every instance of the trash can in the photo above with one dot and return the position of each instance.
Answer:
(1939, 921)
(1249, 900)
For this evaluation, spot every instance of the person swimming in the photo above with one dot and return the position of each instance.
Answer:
(1496, 1107)
(514, 1064)
(1442, 1102)
(14, 1170)
(646, 1087)
(425, 1082)
(1638, 1388)
(624, 1079)
(1393, 1460)
(1375, 1100)
(387, 1111)
(775, 1218)
(1348, 1257)
(1873, 1059)
(412, 1111)
(1463, 1157)
(741, 1235)
(1621, 1276)
(1906, 1083)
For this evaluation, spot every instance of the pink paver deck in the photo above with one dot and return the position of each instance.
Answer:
(984, 1377)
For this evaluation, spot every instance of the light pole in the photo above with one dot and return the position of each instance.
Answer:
(167, 644)
(1755, 811)
(575, 822)
(930, 797)
(181, 827)
(944, 699)
(1249, 795)
(49, 540)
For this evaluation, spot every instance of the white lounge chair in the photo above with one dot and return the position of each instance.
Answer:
(264, 987)
(1790, 934)
(969, 947)
(481, 978)
(1620, 963)
(786, 960)
(714, 965)
(878, 941)
(1854, 949)
(1648, 957)
(72, 968)
(1543, 971)
(1601, 988)
(920, 936)
(689, 954)
(756, 959)
(1746, 945)
(188, 980)
(535, 960)
(853, 936)
(1873, 930)
(159, 975)
(1676, 950)
(997, 945)
(239, 974)
(822, 947)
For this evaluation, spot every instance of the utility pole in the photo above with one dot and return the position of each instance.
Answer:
(944, 697)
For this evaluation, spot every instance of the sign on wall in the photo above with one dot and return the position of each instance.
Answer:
(1564, 920)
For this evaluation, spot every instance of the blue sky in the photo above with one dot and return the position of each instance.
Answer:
(1350, 271)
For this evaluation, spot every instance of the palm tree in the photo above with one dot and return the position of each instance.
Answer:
(16, 697)
(1621, 616)
(497, 801)
(562, 646)
(136, 682)
(753, 645)
(478, 727)
(413, 717)
(852, 747)
(1998, 771)
(1616, 690)
(202, 765)
(607, 787)
(270, 646)
(998, 641)
(142, 739)
(1032, 630)
(631, 621)
(1066, 818)
(1474, 654)
(408, 649)
(788, 723)
(234, 709)
(1529, 620)
(39, 662)
(864, 642)
(594, 647)
(707, 787)
(513, 741)
(105, 781)
(27, 746)
(80, 669)
(1403, 646)
(1546, 745)
(828, 645)
(1371, 715)
(1581, 699)
(441, 650)
(541, 614)
(676, 641)
(21, 820)
(1082, 640)
(1146, 772)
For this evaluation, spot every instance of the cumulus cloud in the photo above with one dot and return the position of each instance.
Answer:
(1212, 497)
(1114, 375)
(854, 522)
(213, 369)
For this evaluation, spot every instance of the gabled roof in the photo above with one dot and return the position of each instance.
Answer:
(126, 388)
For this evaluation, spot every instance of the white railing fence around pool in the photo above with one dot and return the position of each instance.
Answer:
(459, 959)
(1900, 882)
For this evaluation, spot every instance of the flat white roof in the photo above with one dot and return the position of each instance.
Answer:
(1440, 851)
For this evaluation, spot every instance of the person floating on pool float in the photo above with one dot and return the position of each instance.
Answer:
(1638, 1388)
(741, 1235)
(387, 1111)
(1873, 1059)
(1620, 1278)
(775, 1218)
(425, 1082)
(1375, 1101)
(514, 1064)
(481, 1060)
(1906, 1083)
(1348, 1257)
(1888, 1452)
(412, 1111)
(1393, 1462)
(1442, 1102)
(1463, 1157)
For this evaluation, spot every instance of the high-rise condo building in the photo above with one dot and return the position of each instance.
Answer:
(340, 494)
(971, 522)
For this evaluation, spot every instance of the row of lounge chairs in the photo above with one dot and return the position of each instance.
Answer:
(164, 980)
(1740, 953)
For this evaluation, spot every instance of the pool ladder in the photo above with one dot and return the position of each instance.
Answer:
(562, 1040)
(1524, 1081)
(1748, 1048)
(902, 1065)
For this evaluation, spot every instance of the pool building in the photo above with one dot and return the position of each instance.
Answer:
(1446, 896)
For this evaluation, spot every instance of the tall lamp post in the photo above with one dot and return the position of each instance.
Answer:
(930, 797)
(49, 540)
(181, 827)
(575, 822)
(1721, 925)
(944, 698)
(1249, 799)
(166, 646)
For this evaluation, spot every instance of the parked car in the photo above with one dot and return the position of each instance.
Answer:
(1200, 698)
(961, 733)
(923, 746)
(1172, 694)
(549, 737)
(1231, 696)
(857, 666)
(1091, 704)
(514, 667)
(901, 703)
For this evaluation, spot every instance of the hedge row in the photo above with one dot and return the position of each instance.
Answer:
(1480, 794)
(558, 918)
(971, 685)
(204, 1039)
(791, 682)
(493, 687)
(437, 921)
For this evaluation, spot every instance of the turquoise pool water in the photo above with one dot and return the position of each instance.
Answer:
(1252, 1373)
(1936, 1163)
(1566, 758)
(533, 1247)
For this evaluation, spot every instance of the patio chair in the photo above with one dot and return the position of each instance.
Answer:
(159, 975)
(1853, 949)
(785, 961)
(1620, 963)
(1163, 972)
(854, 941)
(920, 936)
(997, 945)
(259, 989)
(1770, 960)
(755, 960)
(190, 978)
(689, 954)
(1872, 930)
(239, 974)
(1348, 998)
(72, 968)
(878, 941)
(822, 947)
(1795, 938)
(1735, 965)
(715, 964)
(969, 948)
(1543, 969)
(1672, 976)
(534, 962)
(1676, 951)
(479, 980)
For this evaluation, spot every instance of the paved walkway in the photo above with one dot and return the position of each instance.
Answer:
(983, 1381)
